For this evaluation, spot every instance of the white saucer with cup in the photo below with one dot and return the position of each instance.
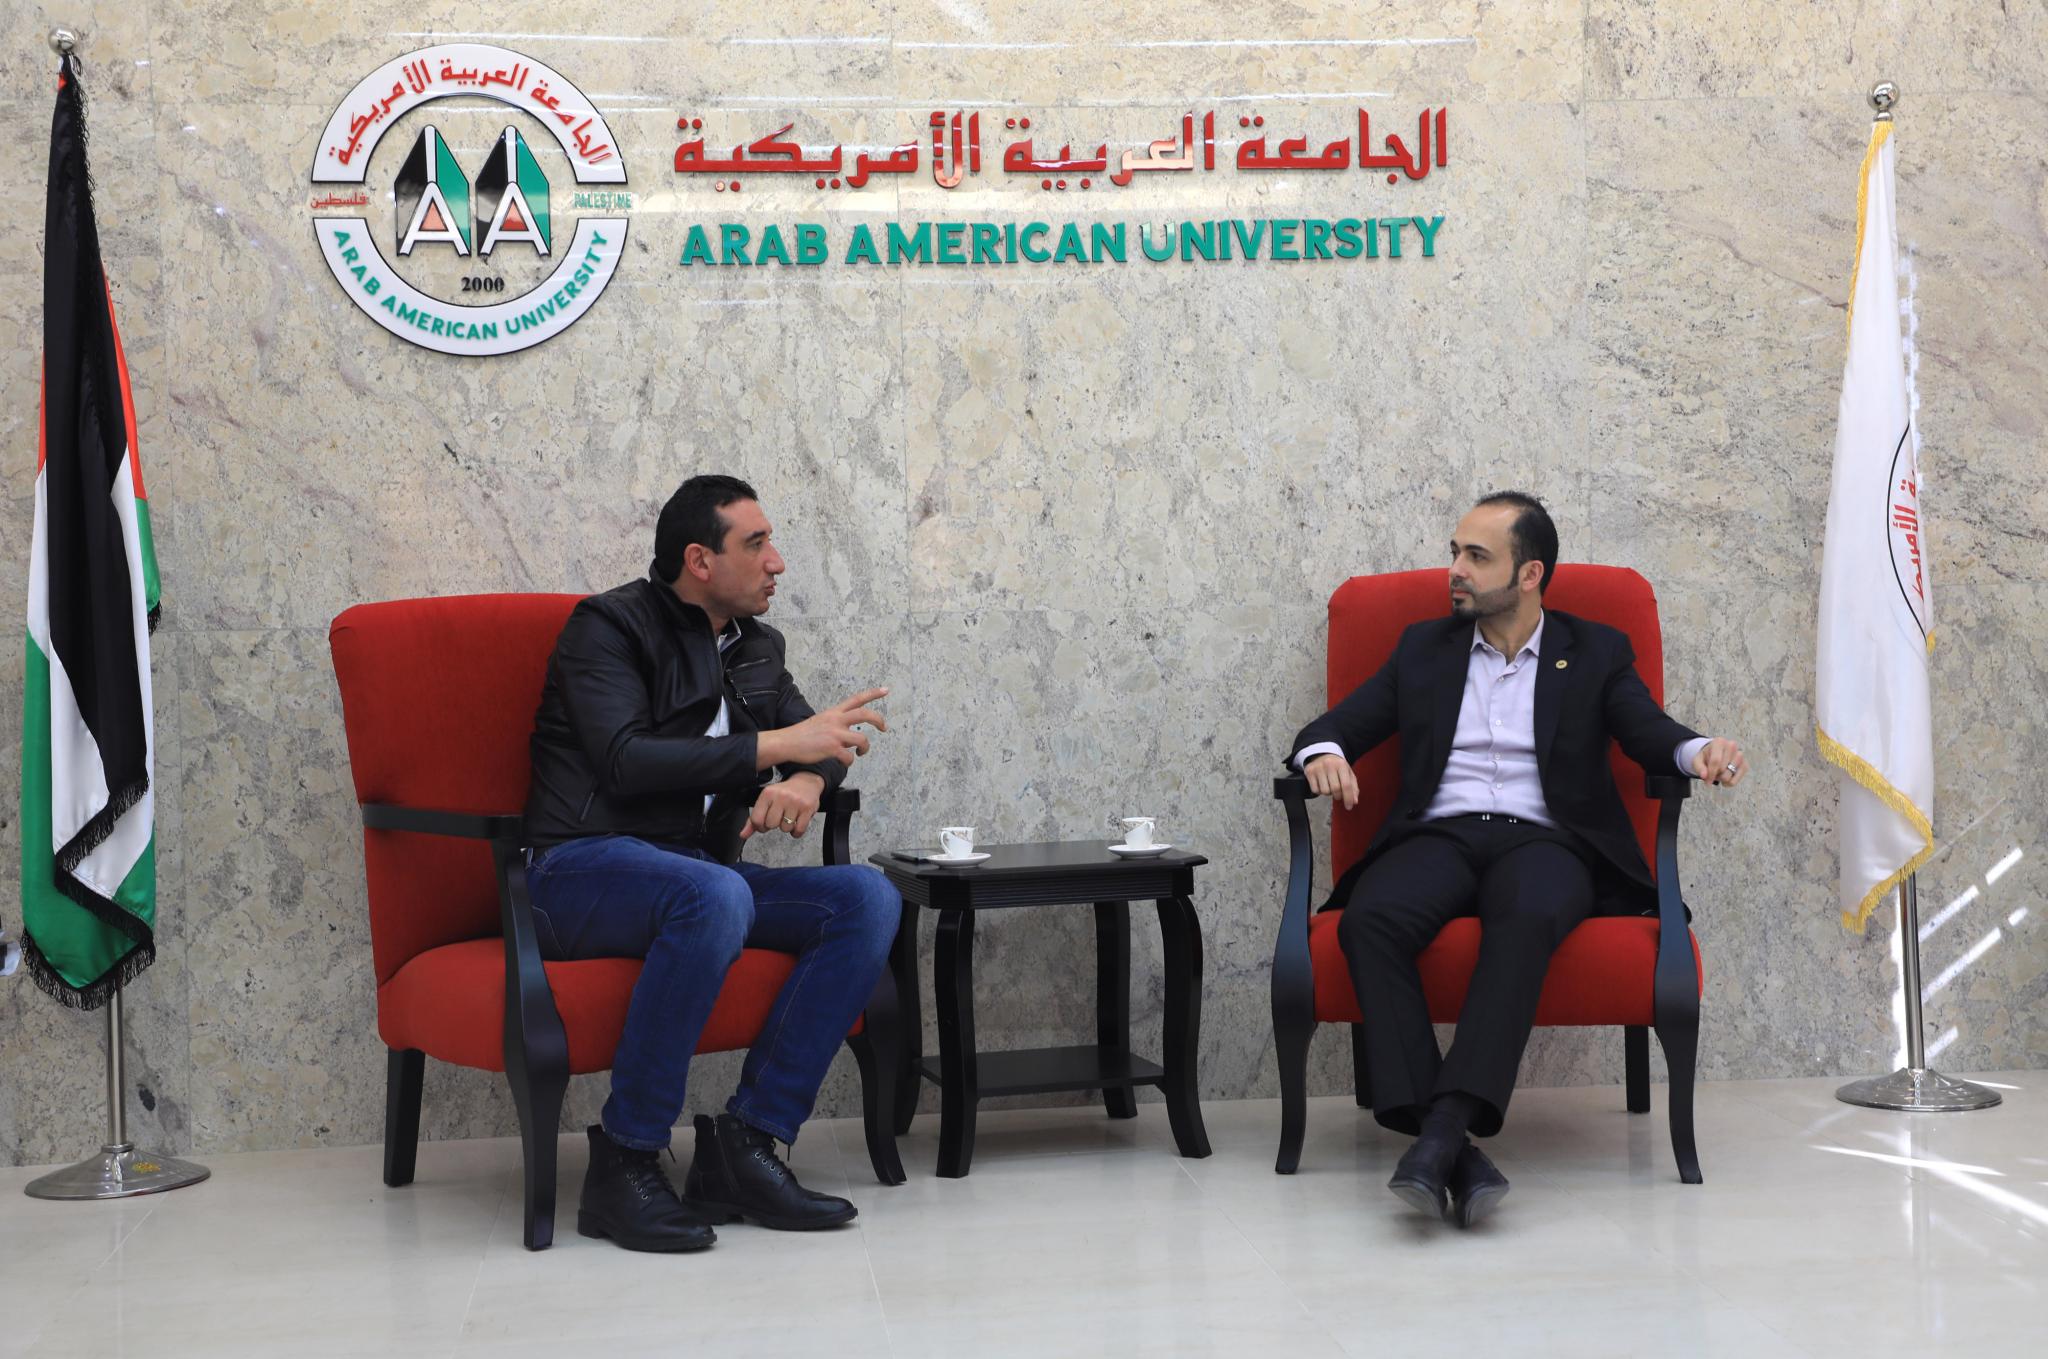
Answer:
(956, 846)
(1140, 838)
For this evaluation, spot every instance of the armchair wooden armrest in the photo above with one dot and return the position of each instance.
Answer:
(1294, 993)
(1676, 989)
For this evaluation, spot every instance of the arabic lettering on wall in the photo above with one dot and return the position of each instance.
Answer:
(515, 82)
(956, 154)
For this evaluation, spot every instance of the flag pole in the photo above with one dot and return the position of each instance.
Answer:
(1915, 1087)
(119, 1171)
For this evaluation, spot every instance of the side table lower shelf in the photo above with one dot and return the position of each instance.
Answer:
(1039, 1071)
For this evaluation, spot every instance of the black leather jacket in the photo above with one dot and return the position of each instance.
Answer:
(619, 745)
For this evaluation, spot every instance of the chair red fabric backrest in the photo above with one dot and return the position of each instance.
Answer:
(1367, 615)
(438, 698)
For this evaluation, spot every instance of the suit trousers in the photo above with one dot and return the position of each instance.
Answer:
(1529, 885)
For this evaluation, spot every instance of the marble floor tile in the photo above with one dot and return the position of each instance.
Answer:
(1896, 1311)
(1586, 1318)
(305, 1305)
(1821, 1230)
(838, 1335)
(49, 1251)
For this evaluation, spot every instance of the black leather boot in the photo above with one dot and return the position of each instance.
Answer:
(736, 1174)
(628, 1199)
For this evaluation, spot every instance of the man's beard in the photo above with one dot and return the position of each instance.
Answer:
(1484, 603)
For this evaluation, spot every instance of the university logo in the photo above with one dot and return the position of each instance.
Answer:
(483, 225)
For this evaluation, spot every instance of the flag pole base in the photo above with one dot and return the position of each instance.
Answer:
(1919, 1090)
(118, 1172)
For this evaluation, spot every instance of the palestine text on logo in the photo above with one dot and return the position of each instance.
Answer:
(474, 254)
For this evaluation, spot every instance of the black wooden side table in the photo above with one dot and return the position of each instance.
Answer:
(1053, 874)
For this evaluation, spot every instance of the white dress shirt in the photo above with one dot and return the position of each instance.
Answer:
(721, 725)
(1492, 766)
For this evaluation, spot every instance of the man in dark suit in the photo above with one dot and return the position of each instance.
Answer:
(1507, 810)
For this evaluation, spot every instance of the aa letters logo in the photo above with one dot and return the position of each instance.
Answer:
(477, 263)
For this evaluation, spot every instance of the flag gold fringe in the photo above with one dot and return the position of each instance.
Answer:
(1861, 770)
(1879, 133)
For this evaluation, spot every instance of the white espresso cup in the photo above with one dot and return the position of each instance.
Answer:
(956, 842)
(1138, 831)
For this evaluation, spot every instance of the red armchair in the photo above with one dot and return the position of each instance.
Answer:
(1639, 972)
(438, 698)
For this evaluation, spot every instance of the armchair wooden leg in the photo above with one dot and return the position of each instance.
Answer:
(538, 1096)
(878, 1107)
(1291, 1034)
(536, 1047)
(877, 1050)
(405, 1072)
(1636, 1058)
(1361, 1074)
(1680, 1041)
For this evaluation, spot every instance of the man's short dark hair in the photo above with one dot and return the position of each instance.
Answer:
(1532, 537)
(692, 516)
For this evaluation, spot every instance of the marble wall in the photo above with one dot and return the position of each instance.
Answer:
(1083, 520)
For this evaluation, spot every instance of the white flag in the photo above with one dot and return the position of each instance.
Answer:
(1874, 715)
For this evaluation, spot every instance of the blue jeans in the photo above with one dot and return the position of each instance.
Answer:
(612, 896)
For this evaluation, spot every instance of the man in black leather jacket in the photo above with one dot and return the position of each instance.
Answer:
(669, 733)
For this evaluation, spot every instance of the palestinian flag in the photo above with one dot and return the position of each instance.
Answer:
(88, 823)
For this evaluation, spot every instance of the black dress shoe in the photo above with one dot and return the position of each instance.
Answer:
(1476, 1186)
(736, 1174)
(627, 1199)
(1422, 1174)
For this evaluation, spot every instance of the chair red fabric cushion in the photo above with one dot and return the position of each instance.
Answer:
(1603, 971)
(1601, 974)
(449, 1002)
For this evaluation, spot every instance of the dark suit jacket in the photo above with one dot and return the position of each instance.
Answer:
(1596, 697)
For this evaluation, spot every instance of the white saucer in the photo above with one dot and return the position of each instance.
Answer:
(957, 860)
(1139, 851)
